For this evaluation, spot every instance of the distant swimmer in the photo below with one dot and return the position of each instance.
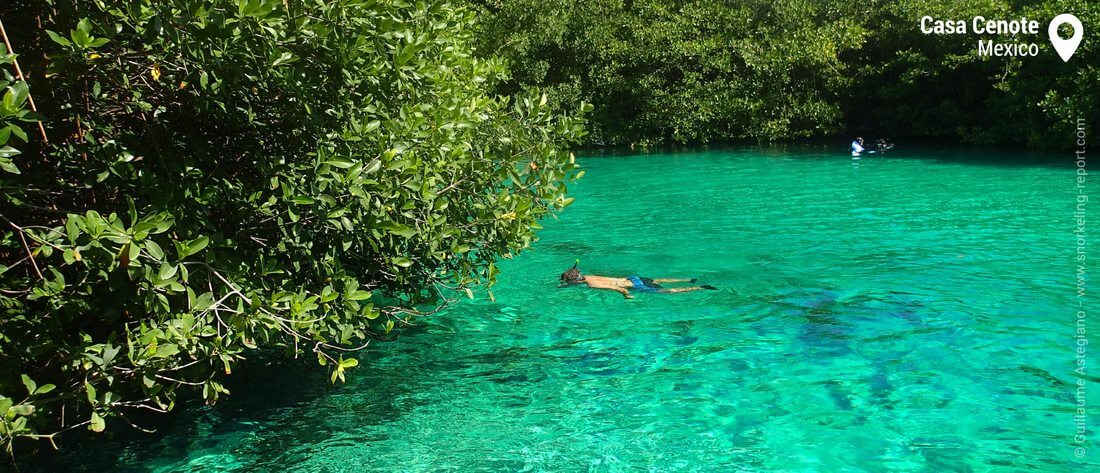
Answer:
(857, 147)
(623, 286)
(881, 146)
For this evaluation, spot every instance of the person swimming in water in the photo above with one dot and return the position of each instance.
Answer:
(857, 146)
(623, 286)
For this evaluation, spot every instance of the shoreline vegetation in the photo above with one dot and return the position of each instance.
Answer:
(217, 179)
(230, 178)
(705, 70)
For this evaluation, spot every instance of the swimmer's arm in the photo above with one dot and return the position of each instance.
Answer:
(620, 290)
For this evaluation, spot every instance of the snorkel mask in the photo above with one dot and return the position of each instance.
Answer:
(572, 276)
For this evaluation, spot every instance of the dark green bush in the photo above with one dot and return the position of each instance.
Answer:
(692, 71)
(682, 71)
(937, 86)
(228, 176)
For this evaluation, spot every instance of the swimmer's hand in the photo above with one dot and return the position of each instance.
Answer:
(627, 295)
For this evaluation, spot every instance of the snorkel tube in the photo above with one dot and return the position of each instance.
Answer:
(571, 276)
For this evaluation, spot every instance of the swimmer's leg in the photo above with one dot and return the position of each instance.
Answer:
(689, 289)
(673, 280)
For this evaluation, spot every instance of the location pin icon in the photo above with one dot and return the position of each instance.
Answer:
(1065, 47)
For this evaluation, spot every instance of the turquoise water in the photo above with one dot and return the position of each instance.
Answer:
(909, 313)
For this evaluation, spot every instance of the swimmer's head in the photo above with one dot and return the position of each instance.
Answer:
(572, 275)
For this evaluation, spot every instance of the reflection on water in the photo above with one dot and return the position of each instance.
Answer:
(906, 314)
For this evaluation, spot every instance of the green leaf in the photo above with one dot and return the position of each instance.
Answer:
(17, 131)
(167, 350)
(131, 210)
(133, 251)
(6, 163)
(373, 167)
(403, 261)
(198, 244)
(399, 229)
(359, 296)
(154, 250)
(303, 200)
(167, 271)
(337, 373)
(203, 302)
(189, 248)
(72, 229)
(58, 39)
(21, 91)
(29, 384)
(23, 409)
(18, 93)
(7, 152)
(80, 36)
(342, 163)
(284, 58)
(90, 391)
(97, 423)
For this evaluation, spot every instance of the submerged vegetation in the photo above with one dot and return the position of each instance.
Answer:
(223, 177)
(693, 71)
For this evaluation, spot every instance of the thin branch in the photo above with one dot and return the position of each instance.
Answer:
(178, 381)
(25, 246)
(128, 421)
(19, 74)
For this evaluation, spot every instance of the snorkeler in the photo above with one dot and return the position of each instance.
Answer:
(624, 285)
(881, 146)
(857, 146)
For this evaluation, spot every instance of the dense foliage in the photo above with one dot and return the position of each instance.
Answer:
(937, 86)
(700, 70)
(681, 70)
(225, 176)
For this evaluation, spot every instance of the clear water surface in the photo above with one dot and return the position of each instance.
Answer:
(908, 312)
